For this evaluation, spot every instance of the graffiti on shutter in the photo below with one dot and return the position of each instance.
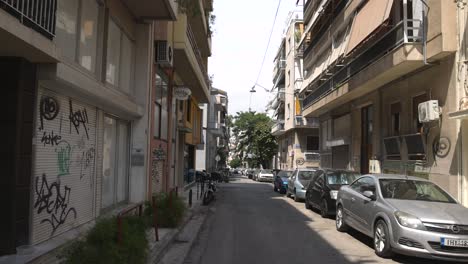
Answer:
(65, 153)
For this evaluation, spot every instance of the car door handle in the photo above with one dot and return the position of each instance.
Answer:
(353, 199)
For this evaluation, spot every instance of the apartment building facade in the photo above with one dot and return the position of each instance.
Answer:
(368, 66)
(298, 136)
(85, 95)
(213, 154)
(181, 84)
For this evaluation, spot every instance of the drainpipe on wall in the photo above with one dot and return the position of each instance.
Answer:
(150, 113)
(168, 163)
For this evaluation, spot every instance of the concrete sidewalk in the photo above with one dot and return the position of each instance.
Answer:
(174, 244)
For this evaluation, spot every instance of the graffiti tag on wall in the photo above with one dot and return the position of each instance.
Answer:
(48, 109)
(63, 158)
(78, 118)
(53, 201)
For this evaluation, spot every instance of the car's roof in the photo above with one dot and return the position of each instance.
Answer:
(307, 169)
(396, 176)
(340, 170)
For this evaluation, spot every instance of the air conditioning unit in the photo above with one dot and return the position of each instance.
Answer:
(164, 54)
(428, 111)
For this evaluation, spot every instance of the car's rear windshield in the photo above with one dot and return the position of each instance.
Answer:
(267, 172)
(285, 174)
(341, 177)
(306, 175)
(404, 189)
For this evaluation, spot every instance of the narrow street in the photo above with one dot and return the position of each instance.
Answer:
(249, 223)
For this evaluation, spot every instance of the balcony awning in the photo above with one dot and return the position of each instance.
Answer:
(321, 65)
(312, 21)
(367, 20)
(342, 41)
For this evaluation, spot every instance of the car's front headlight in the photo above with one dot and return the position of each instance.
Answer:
(333, 194)
(409, 220)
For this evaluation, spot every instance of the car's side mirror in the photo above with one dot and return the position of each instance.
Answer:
(370, 195)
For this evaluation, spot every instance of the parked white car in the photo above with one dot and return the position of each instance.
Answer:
(265, 176)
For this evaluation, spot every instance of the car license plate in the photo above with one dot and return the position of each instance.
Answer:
(454, 242)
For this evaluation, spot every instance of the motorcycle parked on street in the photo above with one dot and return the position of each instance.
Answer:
(209, 194)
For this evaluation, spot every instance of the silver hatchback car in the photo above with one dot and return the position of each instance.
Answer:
(298, 182)
(407, 215)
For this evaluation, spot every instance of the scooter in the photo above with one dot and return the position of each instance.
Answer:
(209, 195)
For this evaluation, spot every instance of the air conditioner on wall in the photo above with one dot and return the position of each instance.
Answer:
(163, 53)
(428, 111)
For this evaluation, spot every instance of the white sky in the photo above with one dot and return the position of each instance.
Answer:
(241, 33)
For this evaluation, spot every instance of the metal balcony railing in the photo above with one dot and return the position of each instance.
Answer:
(306, 122)
(325, 19)
(278, 127)
(280, 66)
(281, 94)
(197, 52)
(37, 14)
(394, 38)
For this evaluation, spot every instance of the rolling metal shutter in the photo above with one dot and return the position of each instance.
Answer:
(64, 165)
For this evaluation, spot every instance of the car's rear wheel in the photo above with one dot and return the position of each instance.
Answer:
(296, 199)
(307, 204)
(382, 245)
(324, 208)
(340, 223)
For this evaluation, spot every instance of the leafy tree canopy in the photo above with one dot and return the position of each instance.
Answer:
(235, 163)
(255, 143)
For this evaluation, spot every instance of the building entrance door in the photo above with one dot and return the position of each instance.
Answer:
(366, 137)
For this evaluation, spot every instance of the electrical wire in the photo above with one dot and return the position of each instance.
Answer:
(268, 45)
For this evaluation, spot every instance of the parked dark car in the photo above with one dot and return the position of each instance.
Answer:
(280, 183)
(250, 173)
(323, 189)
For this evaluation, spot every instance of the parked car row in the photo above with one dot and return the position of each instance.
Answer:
(261, 175)
(406, 215)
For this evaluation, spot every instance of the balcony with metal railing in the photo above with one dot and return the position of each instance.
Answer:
(197, 52)
(27, 30)
(281, 94)
(399, 35)
(279, 69)
(322, 22)
(189, 60)
(39, 15)
(306, 122)
(200, 24)
(216, 128)
(278, 128)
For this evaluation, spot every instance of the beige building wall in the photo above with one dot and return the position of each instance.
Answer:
(438, 83)
(293, 144)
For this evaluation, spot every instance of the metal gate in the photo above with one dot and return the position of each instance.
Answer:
(64, 165)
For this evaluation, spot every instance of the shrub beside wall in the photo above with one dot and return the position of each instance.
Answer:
(100, 244)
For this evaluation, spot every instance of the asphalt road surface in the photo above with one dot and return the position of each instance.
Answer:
(249, 223)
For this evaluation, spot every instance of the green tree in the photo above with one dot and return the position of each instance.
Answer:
(255, 143)
(235, 163)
